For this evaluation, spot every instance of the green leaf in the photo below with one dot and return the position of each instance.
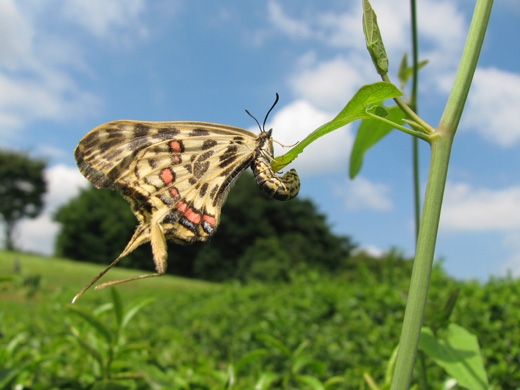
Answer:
(310, 381)
(374, 40)
(459, 354)
(406, 72)
(133, 309)
(92, 351)
(274, 343)
(369, 133)
(93, 321)
(118, 306)
(438, 316)
(332, 382)
(248, 358)
(355, 109)
(266, 380)
(390, 367)
(306, 361)
(110, 385)
(299, 350)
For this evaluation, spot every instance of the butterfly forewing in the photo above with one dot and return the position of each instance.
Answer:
(178, 172)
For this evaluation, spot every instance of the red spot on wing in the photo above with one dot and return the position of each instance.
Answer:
(175, 147)
(181, 206)
(209, 219)
(167, 176)
(192, 216)
(174, 192)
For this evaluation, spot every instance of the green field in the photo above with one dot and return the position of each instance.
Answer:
(315, 332)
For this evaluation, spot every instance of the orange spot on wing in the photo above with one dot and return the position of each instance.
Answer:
(192, 216)
(175, 147)
(209, 219)
(167, 176)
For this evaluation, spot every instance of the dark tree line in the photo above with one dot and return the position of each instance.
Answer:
(258, 237)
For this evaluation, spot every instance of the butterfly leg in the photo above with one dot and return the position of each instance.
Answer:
(160, 256)
(140, 237)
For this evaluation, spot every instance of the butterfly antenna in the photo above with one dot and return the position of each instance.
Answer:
(256, 120)
(271, 109)
(262, 128)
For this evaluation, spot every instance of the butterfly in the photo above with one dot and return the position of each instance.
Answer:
(176, 177)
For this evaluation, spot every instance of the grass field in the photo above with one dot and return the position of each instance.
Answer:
(318, 331)
(65, 278)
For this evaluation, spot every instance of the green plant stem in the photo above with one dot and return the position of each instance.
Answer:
(408, 111)
(440, 154)
(413, 106)
(453, 111)
(399, 127)
(441, 143)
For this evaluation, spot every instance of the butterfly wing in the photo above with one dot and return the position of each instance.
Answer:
(175, 174)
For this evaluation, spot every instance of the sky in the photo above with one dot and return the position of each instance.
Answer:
(69, 66)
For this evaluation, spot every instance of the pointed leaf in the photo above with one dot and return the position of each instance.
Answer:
(299, 350)
(274, 343)
(118, 306)
(369, 133)
(93, 321)
(332, 382)
(249, 357)
(459, 354)
(133, 309)
(90, 350)
(374, 40)
(306, 361)
(310, 381)
(266, 380)
(355, 109)
(110, 385)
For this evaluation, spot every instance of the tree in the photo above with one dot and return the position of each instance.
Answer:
(22, 186)
(95, 227)
(258, 237)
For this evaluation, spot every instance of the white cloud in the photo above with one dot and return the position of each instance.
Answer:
(492, 108)
(17, 35)
(38, 235)
(480, 209)
(448, 40)
(294, 122)
(328, 85)
(370, 250)
(362, 194)
(34, 84)
(290, 26)
(37, 65)
(107, 19)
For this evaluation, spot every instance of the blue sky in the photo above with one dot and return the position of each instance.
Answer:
(69, 66)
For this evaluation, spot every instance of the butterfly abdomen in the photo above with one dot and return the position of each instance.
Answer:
(279, 188)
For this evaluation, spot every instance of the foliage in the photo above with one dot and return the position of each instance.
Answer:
(95, 227)
(22, 186)
(315, 332)
(258, 236)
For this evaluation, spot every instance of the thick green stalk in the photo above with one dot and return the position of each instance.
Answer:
(440, 155)
(441, 142)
